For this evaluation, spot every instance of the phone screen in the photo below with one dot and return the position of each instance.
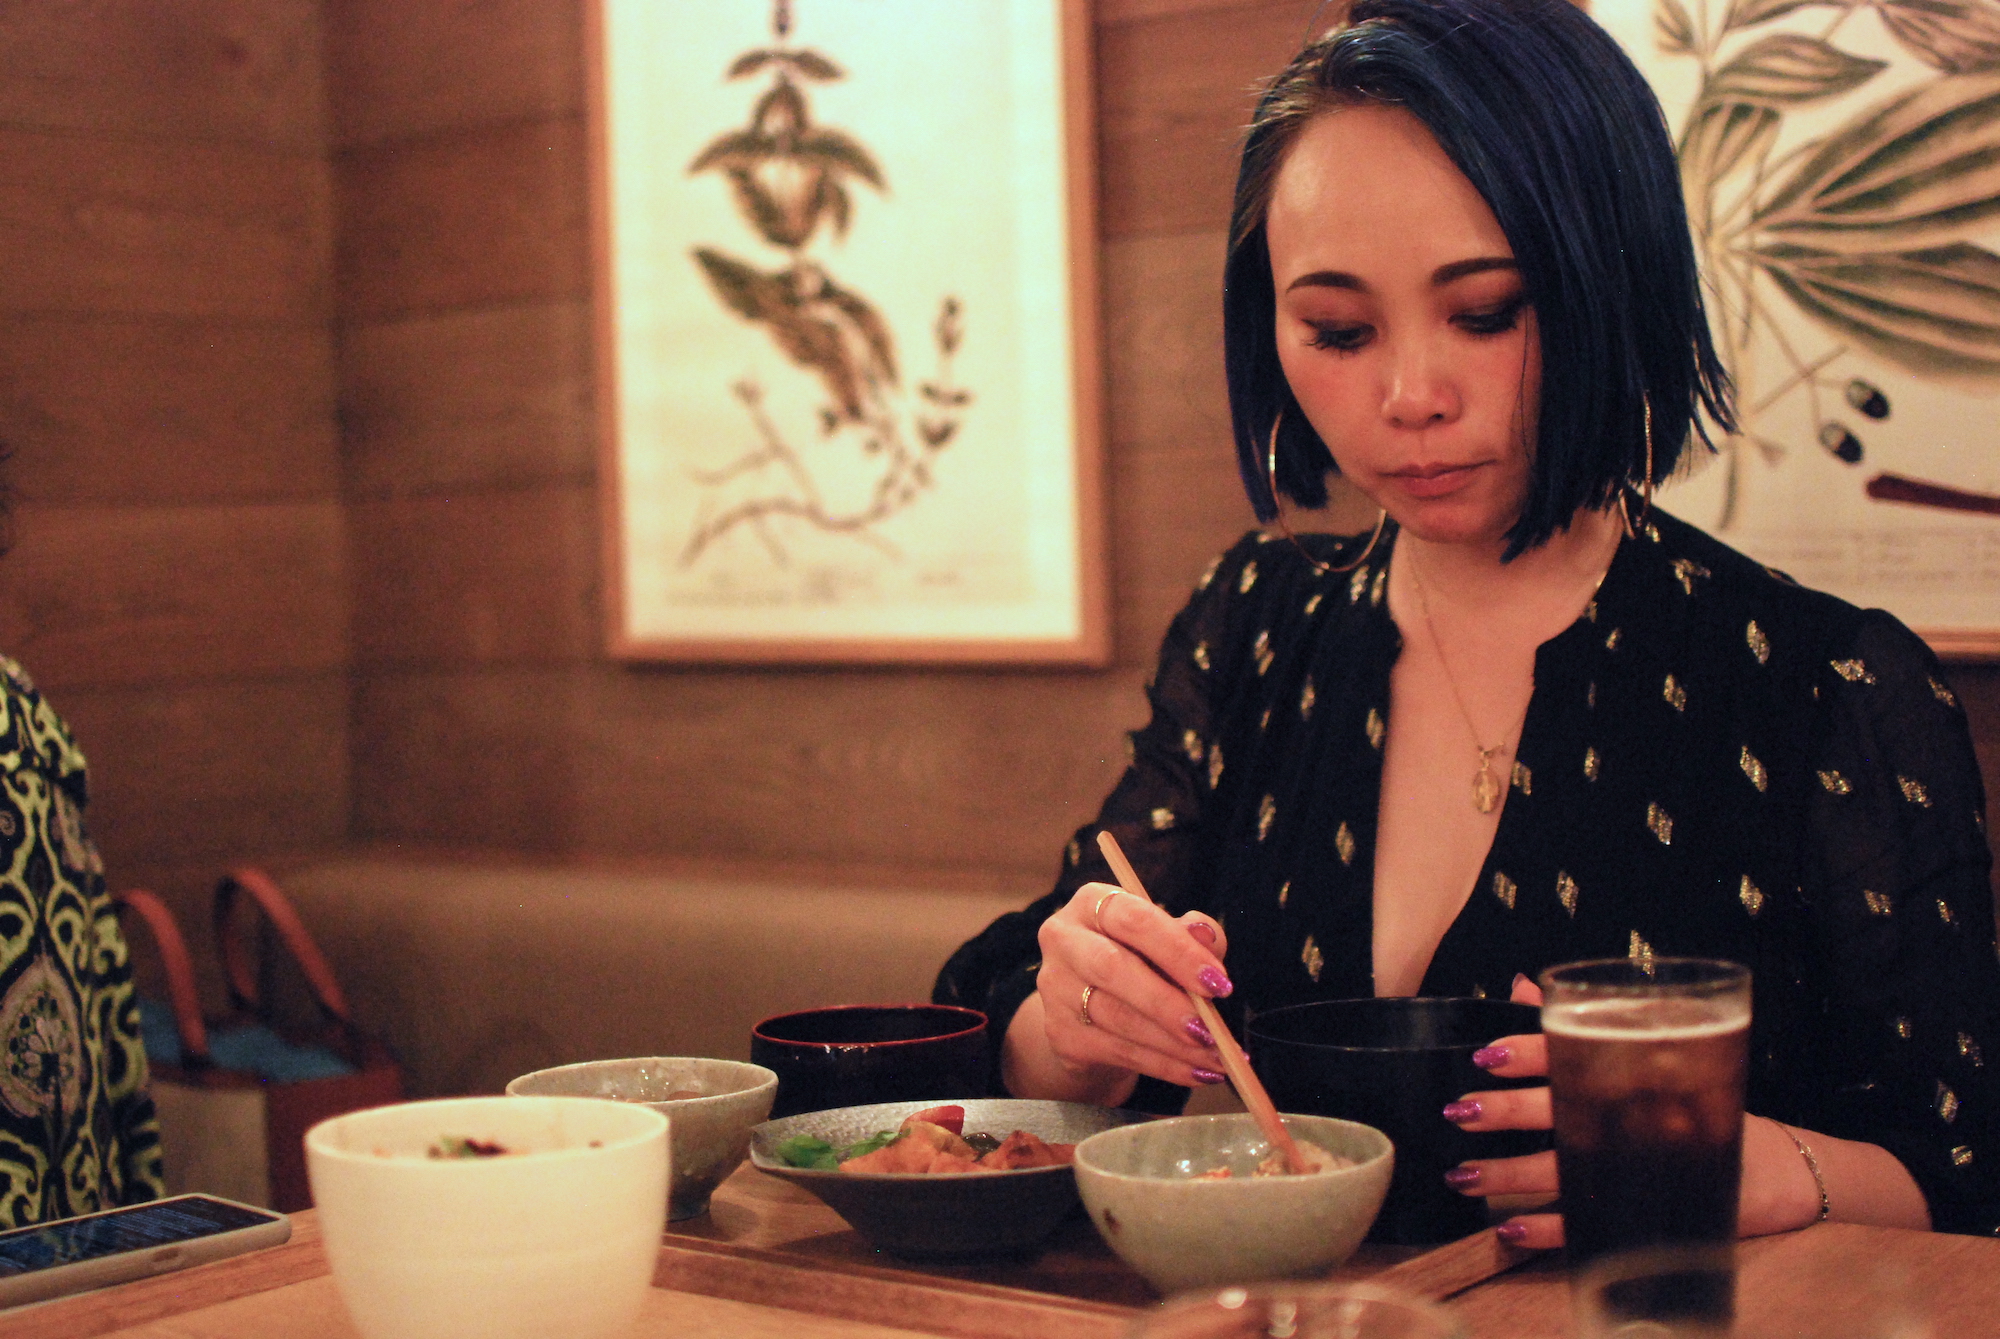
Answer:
(132, 1229)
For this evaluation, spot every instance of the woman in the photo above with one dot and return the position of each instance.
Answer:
(1530, 719)
(77, 1129)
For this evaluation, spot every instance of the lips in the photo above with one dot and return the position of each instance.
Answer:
(1433, 481)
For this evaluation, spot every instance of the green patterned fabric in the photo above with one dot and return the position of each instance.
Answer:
(77, 1130)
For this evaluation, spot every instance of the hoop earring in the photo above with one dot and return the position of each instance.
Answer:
(1271, 477)
(1645, 484)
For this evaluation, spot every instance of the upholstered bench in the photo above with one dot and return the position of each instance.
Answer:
(476, 970)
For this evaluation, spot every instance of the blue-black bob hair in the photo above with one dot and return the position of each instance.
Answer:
(1561, 135)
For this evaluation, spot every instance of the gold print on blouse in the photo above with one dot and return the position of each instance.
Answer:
(1852, 670)
(1375, 729)
(1750, 895)
(1267, 811)
(1343, 842)
(1760, 645)
(1835, 784)
(1073, 853)
(1944, 912)
(1261, 648)
(1662, 824)
(1284, 892)
(1639, 951)
(1611, 639)
(1214, 766)
(1312, 604)
(1312, 958)
(1913, 791)
(1191, 745)
(1903, 1029)
(1306, 699)
(1961, 1156)
(1247, 580)
(1381, 585)
(1566, 891)
(1162, 819)
(1675, 695)
(1687, 571)
(1878, 903)
(1947, 1104)
(1504, 889)
(1590, 612)
(1523, 779)
(1208, 573)
(1968, 1050)
(1590, 764)
(1754, 769)
(1590, 696)
(1201, 656)
(1943, 694)
(1356, 584)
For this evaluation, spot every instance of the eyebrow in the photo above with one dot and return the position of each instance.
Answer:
(1444, 274)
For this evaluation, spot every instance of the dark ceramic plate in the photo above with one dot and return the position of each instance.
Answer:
(944, 1217)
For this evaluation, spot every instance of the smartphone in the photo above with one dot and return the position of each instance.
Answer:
(74, 1255)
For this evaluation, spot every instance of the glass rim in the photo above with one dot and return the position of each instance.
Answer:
(1637, 976)
(1232, 1298)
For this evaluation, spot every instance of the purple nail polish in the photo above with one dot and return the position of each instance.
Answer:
(1203, 931)
(1209, 1076)
(1462, 1178)
(1463, 1110)
(1201, 1034)
(1492, 1057)
(1512, 1233)
(1214, 982)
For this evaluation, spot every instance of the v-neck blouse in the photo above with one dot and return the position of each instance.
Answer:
(1715, 762)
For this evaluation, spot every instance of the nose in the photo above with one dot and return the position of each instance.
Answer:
(1418, 391)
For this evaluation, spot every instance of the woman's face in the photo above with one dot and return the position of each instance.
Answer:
(1402, 324)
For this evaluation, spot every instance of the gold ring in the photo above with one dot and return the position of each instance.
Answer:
(1098, 914)
(1083, 1012)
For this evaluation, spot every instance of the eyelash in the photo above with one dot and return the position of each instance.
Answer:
(1484, 324)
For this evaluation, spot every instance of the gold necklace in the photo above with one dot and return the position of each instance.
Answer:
(1486, 787)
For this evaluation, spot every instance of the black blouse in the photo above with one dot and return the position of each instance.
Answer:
(1716, 762)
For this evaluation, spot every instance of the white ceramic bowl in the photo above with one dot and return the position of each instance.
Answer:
(1178, 1232)
(560, 1236)
(711, 1133)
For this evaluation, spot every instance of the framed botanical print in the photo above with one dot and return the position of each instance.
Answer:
(847, 331)
(1841, 161)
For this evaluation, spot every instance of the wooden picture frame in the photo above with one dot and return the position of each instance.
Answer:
(1836, 164)
(847, 332)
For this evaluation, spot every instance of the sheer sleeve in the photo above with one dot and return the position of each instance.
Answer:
(1896, 882)
(1160, 811)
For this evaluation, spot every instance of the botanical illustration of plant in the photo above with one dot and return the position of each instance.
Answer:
(790, 179)
(1862, 229)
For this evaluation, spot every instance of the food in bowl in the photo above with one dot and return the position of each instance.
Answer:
(1317, 1160)
(928, 1142)
(466, 1146)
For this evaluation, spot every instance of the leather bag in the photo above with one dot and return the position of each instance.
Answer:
(232, 1104)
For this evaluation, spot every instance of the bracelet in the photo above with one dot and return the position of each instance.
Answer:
(1812, 1165)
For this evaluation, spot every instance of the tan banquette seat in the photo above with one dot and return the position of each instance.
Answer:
(478, 969)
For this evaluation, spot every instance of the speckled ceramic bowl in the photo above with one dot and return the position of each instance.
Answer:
(711, 1132)
(925, 1217)
(1178, 1232)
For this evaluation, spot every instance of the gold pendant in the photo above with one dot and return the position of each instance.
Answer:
(1485, 785)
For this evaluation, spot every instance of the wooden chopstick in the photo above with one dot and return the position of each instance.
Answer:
(1233, 1060)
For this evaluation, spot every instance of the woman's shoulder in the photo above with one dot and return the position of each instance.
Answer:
(1777, 614)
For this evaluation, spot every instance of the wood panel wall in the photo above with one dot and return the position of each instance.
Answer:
(484, 712)
(179, 582)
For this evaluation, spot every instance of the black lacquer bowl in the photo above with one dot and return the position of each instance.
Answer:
(1394, 1064)
(856, 1054)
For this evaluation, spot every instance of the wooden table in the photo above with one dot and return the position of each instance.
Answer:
(771, 1262)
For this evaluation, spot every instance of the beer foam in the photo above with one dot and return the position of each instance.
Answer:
(1645, 1020)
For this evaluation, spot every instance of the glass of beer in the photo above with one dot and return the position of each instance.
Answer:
(1646, 1068)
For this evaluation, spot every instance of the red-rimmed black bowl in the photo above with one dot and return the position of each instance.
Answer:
(853, 1055)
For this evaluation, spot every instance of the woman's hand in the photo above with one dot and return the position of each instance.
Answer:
(1136, 962)
(1778, 1194)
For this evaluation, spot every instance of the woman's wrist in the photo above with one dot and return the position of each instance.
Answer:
(1029, 1067)
(1780, 1191)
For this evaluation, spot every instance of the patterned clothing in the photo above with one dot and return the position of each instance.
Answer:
(77, 1132)
(1715, 762)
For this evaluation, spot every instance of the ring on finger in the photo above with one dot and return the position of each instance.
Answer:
(1083, 1010)
(1097, 915)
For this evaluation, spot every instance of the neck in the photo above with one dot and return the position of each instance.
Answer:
(1471, 575)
